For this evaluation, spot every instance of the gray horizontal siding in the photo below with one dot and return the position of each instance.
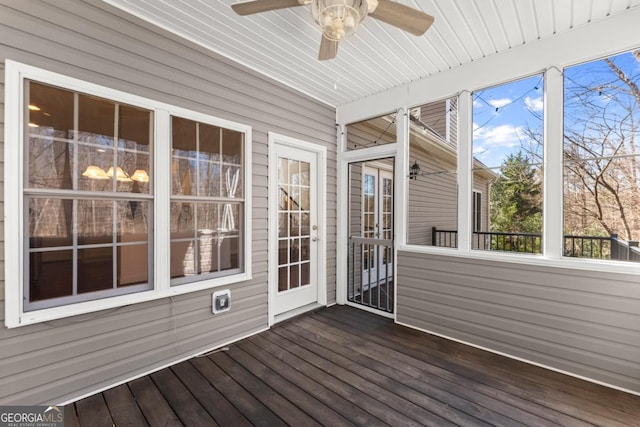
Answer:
(432, 195)
(89, 40)
(585, 323)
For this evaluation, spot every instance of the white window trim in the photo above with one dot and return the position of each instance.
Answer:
(15, 74)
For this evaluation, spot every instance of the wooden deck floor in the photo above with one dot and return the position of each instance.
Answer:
(343, 366)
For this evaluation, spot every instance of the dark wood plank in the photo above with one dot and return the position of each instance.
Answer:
(380, 402)
(531, 398)
(343, 366)
(71, 416)
(123, 407)
(606, 401)
(289, 412)
(186, 407)
(93, 411)
(251, 408)
(215, 403)
(447, 364)
(297, 396)
(484, 396)
(306, 381)
(391, 383)
(154, 407)
(438, 395)
(581, 399)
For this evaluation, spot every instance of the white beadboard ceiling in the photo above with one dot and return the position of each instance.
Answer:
(283, 44)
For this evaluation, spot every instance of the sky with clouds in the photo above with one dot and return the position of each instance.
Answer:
(501, 115)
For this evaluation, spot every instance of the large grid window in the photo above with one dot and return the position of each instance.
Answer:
(120, 199)
(206, 200)
(87, 196)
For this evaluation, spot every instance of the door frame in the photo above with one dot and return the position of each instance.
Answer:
(275, 139)
(395, 151)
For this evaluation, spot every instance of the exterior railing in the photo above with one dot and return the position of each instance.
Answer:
(598, 247)
(370, 269)
(510, 242)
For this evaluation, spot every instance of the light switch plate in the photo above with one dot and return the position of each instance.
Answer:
(221, 301)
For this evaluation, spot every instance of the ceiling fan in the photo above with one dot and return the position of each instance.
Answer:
(339, 19)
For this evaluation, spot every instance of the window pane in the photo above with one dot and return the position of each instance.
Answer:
(95, 269)
(507, 148)
(135, 128)
(229, 249)
(210, 179)
(283, 279)
(133, 220)
(183, 177)
(232, 142)
(182, 220)
(93, 164)
(133, 265)
(217, 246)
(95, 222)
(183, 139)
(96, 118)
(433, 156)
(50, 222)
(208, 217)
(232, 182)
(209, 142)
(370, 133)
(50, 164)
(50, 275)
(50, 110)
(601, 159)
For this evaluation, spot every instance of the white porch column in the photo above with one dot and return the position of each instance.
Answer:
(553, 177)
(465, 173)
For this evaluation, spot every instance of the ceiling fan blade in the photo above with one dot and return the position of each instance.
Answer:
(328, 49)
(257, 6)
(404, 17)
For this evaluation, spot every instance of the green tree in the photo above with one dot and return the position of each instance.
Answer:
(516, 197)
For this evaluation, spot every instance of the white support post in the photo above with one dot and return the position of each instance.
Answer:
(465, 172)
(402, 171)
(553, 152)
(342, 238)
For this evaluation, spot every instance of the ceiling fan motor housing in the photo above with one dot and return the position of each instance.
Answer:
(339, 19)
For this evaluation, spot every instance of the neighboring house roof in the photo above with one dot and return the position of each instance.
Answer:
(432, 142)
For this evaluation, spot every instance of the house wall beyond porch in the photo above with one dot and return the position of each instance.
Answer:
(61, 360)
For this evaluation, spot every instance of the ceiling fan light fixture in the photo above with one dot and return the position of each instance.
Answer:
(338, 19)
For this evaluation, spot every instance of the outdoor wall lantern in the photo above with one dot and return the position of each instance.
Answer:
(414, 170)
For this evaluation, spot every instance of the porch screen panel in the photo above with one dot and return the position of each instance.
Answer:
(508, 166)
(433, 161)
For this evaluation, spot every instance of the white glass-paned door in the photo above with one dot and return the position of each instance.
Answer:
(377, 223)
(297, 230)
